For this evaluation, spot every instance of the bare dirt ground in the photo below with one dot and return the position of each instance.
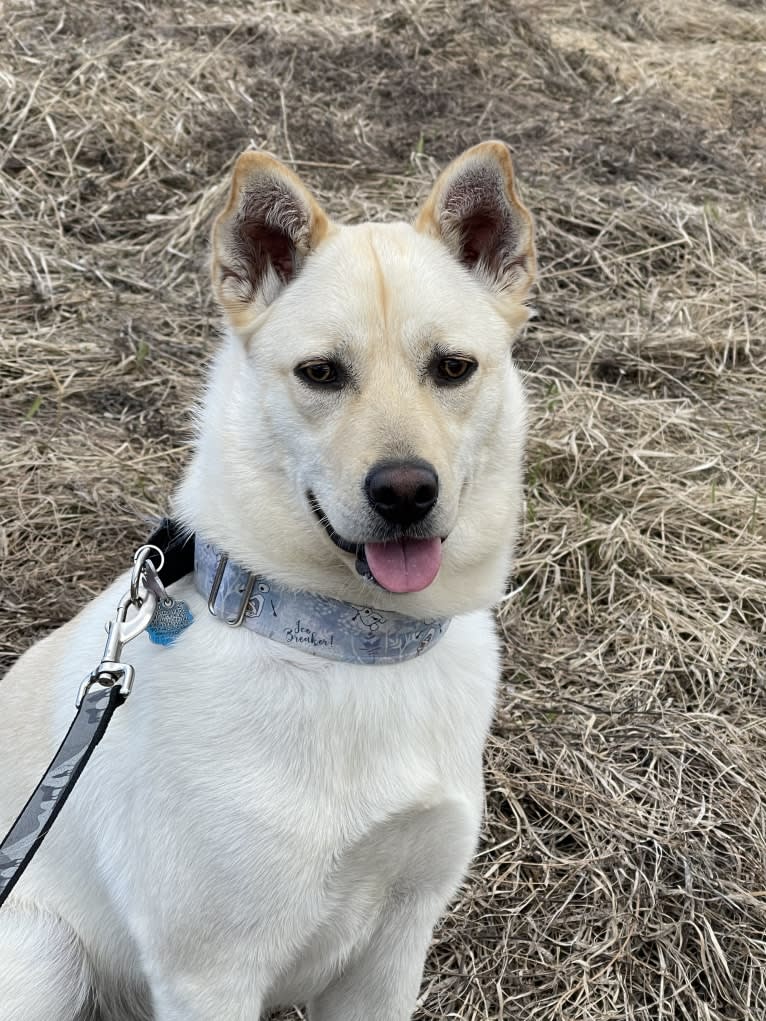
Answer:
(622, 871)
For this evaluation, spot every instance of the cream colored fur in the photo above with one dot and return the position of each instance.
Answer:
(260, 826)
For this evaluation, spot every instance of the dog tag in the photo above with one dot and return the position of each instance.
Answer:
(171, 617)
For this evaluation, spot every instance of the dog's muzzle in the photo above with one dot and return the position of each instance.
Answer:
(400, 562)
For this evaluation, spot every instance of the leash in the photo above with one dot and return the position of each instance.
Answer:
(167, 557)
(38, 815)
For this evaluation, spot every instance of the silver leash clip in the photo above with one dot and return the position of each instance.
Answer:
(145, 591)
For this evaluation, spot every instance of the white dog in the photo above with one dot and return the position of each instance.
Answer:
(281, 810)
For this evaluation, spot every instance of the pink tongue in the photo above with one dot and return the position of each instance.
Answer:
(407, 565)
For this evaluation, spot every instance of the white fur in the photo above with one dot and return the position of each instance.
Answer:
(260, 826)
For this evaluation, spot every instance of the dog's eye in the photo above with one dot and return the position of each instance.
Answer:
(453, 369)
(320, 373)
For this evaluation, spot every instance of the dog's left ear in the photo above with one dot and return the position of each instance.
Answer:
(475, 210)
(260, 241)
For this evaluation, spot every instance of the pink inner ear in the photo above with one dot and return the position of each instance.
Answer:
(479, 239)
(477, 208)
(263, 246)
(278, 249)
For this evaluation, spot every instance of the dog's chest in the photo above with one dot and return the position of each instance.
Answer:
(275, 799)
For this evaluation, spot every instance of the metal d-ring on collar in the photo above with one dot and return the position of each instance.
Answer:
(237, 620)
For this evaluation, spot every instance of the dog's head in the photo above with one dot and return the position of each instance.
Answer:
(365, 417)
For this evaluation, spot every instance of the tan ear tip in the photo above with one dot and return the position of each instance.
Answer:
(491, 147)
(499, 146)
(491, 151)
(252, 162)
(256, 156)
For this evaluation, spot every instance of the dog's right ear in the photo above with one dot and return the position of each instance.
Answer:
(260, 240)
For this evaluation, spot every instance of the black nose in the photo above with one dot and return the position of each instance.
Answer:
(402, 492)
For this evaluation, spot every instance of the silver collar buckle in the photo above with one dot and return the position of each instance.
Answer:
(237, 620)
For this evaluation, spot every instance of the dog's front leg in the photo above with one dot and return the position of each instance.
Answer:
(44, 972)
(382, 982)
(428, 851)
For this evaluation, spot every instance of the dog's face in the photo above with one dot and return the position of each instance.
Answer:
(366, 417)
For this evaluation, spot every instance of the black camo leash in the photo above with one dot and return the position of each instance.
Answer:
(47, 799)
(167, 556)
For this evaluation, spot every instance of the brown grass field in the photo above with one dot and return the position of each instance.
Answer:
(622, 870)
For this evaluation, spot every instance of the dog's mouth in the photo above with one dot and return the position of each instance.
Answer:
(401, 564)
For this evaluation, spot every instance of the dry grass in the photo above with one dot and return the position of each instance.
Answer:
(622, 873)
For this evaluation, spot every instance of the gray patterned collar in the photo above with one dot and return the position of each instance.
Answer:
(315, 624)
